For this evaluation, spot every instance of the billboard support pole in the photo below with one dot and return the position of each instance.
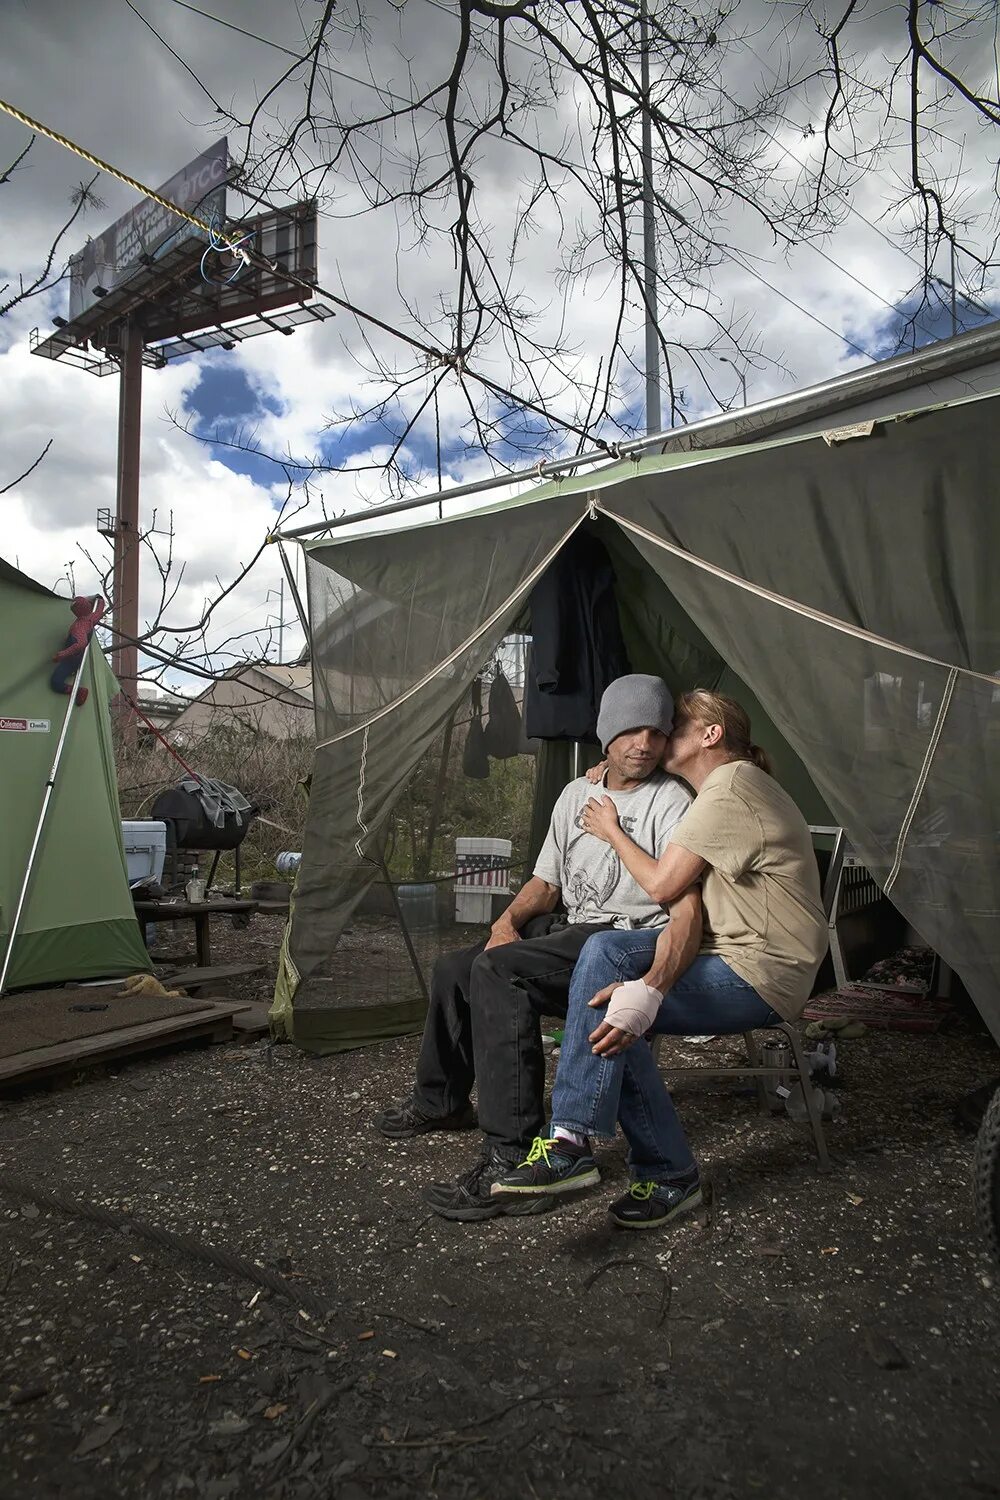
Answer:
(126, 551)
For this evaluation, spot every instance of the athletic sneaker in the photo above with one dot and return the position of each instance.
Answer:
(651, 1205)
(407, 1119)
(553, 1165)
(469, 1198)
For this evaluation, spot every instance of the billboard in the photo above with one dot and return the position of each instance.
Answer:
(150, 229)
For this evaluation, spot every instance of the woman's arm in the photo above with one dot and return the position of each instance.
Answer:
(678, 944)
(666, 878)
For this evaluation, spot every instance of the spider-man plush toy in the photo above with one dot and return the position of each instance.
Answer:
(88, 611)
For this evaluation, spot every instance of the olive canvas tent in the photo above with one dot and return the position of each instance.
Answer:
(77, 921)
(843, 589)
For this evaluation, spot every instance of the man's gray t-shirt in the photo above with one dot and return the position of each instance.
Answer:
(596, 887)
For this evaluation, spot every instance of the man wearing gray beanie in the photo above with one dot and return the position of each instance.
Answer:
(634, 702)
(482, 1025)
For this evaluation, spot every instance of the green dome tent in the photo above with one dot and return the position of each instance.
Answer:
(78, 921)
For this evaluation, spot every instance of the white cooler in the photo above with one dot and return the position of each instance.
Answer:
(482, 868)
(145, 841)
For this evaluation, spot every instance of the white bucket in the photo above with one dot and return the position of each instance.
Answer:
(482, 868)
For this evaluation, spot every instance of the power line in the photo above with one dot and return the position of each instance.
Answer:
(851, 208)
(439, 357)
(576, 166)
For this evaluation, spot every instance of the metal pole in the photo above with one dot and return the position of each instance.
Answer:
(293, 586)
(954, 305)
(50, 783)
(126, 568)
(773, 415)
(281, 621)
(408, 941)
(649, 237)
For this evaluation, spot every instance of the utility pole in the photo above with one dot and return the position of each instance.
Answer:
(653, 416)
(125, 656)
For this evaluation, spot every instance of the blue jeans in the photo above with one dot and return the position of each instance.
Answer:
(591, 1092)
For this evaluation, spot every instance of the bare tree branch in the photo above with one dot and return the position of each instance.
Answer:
(29, 470)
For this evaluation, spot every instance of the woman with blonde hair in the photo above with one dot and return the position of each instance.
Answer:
(741, 949)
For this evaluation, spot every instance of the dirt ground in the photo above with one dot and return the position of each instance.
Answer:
(807, 1335)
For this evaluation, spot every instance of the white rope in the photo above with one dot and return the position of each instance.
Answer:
(466, 645)
(830, 621)
(918, 790)
(361, 795)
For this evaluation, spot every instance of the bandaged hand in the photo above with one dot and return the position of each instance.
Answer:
(633, 1007)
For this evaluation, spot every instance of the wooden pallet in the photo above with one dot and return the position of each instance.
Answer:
(212, 1023)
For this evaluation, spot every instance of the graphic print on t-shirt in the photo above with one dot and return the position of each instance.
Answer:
(596, 885)
(591, 880)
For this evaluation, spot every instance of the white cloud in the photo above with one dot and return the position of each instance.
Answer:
(93, 71)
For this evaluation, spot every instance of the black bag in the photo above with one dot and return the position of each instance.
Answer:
(475, 761)
(502, 734)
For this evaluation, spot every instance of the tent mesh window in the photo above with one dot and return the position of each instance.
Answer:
(844, 592)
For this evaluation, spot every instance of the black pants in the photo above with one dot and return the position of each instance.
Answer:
(483, 1027)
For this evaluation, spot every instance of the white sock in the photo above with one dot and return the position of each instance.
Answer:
(562, 1134)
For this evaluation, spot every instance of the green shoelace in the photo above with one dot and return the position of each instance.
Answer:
(540, 1148)
(642, 1190)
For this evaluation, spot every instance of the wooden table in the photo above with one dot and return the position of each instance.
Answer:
(198, 912)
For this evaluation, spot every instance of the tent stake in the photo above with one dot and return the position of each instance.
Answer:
(41, 816)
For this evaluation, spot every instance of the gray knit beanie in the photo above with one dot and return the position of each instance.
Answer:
(636, 702)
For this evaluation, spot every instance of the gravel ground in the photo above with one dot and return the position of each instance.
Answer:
(806, 1335)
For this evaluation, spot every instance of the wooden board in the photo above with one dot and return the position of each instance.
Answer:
(251, 1023)
(212, 1022)
(218, 974)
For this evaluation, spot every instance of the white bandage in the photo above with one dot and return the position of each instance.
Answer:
(633, 1007)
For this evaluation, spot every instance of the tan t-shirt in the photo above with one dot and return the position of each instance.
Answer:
(761, 893)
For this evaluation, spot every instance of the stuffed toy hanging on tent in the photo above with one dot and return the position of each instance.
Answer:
(88, 610)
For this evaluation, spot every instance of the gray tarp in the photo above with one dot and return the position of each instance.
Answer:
(848, 586)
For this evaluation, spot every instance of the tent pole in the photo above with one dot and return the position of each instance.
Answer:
(414, 960)
(442, 776)
(50, 783)
(300, 608)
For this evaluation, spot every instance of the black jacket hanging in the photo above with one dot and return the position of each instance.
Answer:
(577, 646)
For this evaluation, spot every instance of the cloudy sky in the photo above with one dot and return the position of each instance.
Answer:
(95, 72)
